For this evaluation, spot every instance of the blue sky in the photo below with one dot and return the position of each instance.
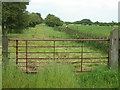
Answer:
(74, 10)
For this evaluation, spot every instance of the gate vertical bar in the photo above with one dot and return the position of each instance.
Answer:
(82, 56)
(108, 53)
(16, 51)
(26, 57)
(54, 51)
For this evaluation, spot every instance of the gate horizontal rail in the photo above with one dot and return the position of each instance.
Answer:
(68, 58)
(54, 46)
(67, 62)
(59, 39)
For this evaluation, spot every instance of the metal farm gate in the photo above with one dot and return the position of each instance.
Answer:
(21, 51)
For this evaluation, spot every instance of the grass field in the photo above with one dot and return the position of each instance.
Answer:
(57, 75)
(102, 31)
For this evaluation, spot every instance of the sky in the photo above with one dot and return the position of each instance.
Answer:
(75, 10)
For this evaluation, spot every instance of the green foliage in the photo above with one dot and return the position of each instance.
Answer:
(84, 21)
(52, 21)
(14, 16)
(100, 77)
(35, 18)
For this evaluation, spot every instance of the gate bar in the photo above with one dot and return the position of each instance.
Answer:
(69, 58)
(59, 39)
(26, 57)
(16, 51)
(54, 51)
(57, 52)
(82, 56)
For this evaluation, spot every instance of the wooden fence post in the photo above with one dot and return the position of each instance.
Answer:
(119, 47)
(4, 50)
(113, 54)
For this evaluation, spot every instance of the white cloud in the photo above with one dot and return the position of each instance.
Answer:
(71, 10)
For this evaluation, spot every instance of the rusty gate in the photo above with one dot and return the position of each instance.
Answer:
(30, 62)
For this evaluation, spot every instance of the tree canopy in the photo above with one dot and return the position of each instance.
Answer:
(84, 21)
(52, 20)
(35, 18)
(14, 16)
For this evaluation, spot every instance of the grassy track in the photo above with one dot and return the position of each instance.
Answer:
(56, 75)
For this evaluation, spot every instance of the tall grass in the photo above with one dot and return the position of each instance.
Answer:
(13, 78)
(52, 76)
(56, 76)
(60, 76)
(100, 77)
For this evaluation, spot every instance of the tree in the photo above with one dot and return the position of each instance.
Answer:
(52, 21)
(14, 16)
(34, 18)
(68, 23)
(86, 21)
(40, 17)
(96, 23)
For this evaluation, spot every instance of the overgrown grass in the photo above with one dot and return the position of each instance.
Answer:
(100, 77)
(52, 76)
(60, 76)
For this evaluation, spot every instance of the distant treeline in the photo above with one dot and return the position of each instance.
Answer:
(89, 22)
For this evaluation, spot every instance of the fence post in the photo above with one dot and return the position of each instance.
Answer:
(4, 50)
(119, 47)
(113, 54)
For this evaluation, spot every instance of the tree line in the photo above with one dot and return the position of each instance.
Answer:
(15, 18)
